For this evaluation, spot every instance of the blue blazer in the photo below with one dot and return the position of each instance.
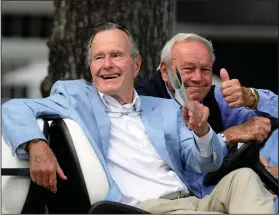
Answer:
(79, 100)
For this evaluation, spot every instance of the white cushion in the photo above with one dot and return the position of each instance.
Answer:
(94, 175)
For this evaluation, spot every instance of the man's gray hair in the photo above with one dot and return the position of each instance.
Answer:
(180, 37)
(110, 26)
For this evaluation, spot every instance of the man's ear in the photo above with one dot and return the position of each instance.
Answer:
(138, 64)
(163, 69)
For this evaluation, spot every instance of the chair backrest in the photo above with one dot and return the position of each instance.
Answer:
(87, 181)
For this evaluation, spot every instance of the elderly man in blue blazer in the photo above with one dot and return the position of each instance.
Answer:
(143, 143)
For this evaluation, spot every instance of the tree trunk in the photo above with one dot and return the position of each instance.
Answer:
(151, 22)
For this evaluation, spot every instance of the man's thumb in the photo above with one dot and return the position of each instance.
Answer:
(224, 75)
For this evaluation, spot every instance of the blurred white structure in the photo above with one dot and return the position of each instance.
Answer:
(24, 49)
(28, 78)
(31, 7)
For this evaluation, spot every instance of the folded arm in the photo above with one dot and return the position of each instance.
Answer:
(243, 124)
(19, 116)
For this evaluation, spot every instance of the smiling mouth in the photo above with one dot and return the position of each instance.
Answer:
(112, 76)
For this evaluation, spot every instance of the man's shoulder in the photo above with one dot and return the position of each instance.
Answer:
(73, 85)
(79, 82)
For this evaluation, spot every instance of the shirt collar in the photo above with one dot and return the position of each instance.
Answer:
(110, 101)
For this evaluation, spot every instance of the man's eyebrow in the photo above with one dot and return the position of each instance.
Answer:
(97, 54)
(116, 51)
(205, 65)
(188, 63)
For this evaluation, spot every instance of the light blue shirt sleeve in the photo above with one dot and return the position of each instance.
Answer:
(268, 104)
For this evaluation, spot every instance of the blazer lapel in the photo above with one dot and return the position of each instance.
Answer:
(102, 120)
(153, 123)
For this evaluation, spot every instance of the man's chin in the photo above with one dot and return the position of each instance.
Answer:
(108, 91)
(196, 96)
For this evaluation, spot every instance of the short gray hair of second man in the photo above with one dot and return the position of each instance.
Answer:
(180, 37)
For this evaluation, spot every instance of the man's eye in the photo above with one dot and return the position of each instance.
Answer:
(206, 69)
(98, 57)
(188, 68)
(116, 55)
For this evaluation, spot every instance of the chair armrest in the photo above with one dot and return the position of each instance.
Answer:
(15, 188)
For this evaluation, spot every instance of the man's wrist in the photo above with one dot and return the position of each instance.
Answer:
(227, 139)
(256, 98)
(26, 148)
(251, 98)
(202, 132)
(231, 135)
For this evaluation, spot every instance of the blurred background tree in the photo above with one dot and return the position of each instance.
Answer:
(151, 22)
(244, 35)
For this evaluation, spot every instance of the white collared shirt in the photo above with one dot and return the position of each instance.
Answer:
(134, 163)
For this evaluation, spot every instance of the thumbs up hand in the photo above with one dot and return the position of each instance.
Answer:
(235, 94)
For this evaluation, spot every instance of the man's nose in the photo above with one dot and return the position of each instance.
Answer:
(197, 75)
(107, 62)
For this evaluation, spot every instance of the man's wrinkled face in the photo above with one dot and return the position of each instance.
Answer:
(194, 60)
(112, 68)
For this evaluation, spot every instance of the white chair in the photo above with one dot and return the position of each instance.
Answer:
(87, 181)
(14, 188)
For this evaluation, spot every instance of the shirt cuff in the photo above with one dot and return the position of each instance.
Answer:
(204, 143)
(21, 152)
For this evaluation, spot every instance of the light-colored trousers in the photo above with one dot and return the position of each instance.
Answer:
(241, 191)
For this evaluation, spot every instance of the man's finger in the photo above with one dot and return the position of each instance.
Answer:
(53, 182)
(264, 161)
(199, 117)
(60, 172)
(265, 120)
(204, 117)
(33, 176)
(39, 179)
(185, 115)
(192, 116)
(46, 182)
(235, 104)
(224, 75)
